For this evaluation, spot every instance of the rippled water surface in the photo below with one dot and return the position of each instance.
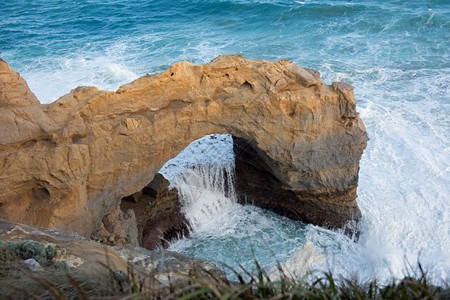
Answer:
(395, 53)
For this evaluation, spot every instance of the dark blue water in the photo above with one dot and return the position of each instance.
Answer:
(396, 54)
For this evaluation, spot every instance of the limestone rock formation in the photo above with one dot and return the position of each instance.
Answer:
(14, 89)
(254, 184)
(118, 228)
(69, 163)
(158, 214)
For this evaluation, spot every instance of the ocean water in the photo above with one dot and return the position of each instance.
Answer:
(395, 53)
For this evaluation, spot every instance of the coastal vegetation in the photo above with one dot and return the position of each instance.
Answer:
(48, 281)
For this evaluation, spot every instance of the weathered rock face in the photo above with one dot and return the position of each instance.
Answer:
(68, 164)
(118, 228)
(158, 214)
(254, 184)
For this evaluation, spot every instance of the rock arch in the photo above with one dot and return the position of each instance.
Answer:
(90, 148)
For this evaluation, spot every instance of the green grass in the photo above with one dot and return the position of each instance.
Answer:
(30, 249)
(18, 282)
(324, 286)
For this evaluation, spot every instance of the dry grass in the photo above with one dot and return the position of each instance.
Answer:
(18, 282)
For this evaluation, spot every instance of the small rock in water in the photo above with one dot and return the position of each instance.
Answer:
(300, 262)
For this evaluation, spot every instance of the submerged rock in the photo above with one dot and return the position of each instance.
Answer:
(300, 263)
(68, 164)
(168, 267)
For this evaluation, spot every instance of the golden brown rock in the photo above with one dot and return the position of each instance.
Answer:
(67, 164)
(158, 214)
(14, 89)
(118, 228)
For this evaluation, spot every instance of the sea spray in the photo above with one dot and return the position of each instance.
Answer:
(204, 175)
(206, 193)
(223, 230)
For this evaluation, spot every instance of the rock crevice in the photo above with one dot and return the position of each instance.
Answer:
(158, 214)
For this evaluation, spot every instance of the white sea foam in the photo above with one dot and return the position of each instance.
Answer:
(398, 225)
(206, 194)
(404, 182)
(215, 150)
(53, 77)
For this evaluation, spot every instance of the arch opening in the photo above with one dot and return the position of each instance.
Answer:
(225, 226)
(198, 187)
(194, 190)
(188, 192)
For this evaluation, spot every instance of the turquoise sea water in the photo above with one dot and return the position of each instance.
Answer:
(395, 53)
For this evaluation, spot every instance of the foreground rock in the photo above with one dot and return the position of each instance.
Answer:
(156, 268)
(68, 164)
(118, 228)
(77, 251)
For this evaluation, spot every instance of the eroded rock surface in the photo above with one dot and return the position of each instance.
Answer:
(118, 228)
(158, 214)
(69, 163)
(254, 184)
